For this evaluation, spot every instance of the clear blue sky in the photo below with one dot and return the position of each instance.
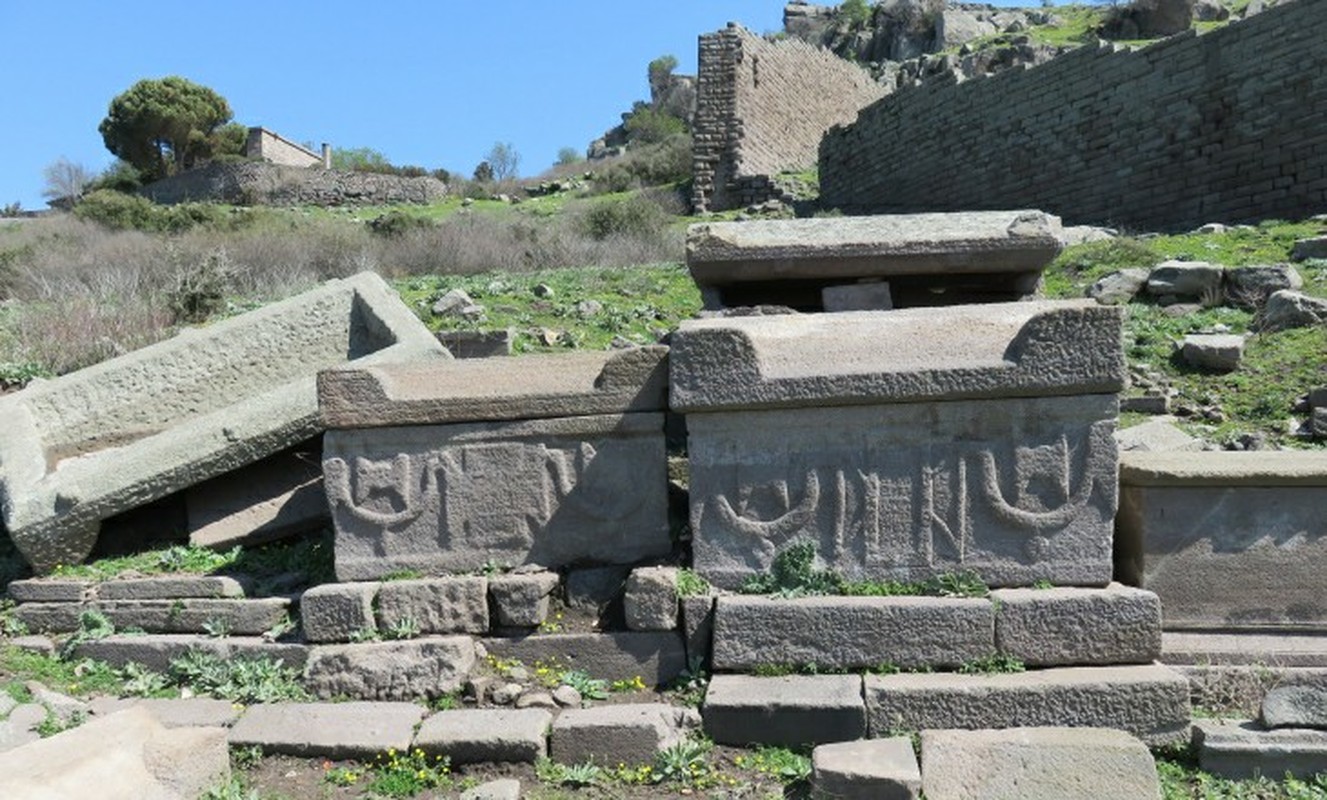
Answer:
(427, 83)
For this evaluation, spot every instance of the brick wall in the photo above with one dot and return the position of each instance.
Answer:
(274, 149)
(762, 107)
(1229, 126)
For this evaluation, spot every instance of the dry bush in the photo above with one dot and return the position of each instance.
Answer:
(70, 333)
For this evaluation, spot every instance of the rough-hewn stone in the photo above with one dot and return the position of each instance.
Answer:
(1118, 287)
(1227, 540)
(521, 600)
(156, 651)
(1185, 280)
(851, 632)
(36, 590)
(1239, 750)
(654, 657)
(330, 730)
(170, 588)
(109, 438)
(650, 600)
(869, 769)
(787, 710)
(391, 670)
(698, 626)
(1037, 764)
(468, 736)
(1068, 626)
(175, 712)
(1219, 352)
(239, 616)
(631, 733)
(333, 612)
(1249, 287)
(1295, 707)
(1287, 309)
(435, 605)
(1151, 702)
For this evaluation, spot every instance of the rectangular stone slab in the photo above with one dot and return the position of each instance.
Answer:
(726, 257)
(452, 498)
(789, 710)
(1028, 349)
(1151, 702)
(1018, 490)
(86, 446)
(1066, 626)
(535, 387)
(851, 632)
(1227, 540)
(1240, 750)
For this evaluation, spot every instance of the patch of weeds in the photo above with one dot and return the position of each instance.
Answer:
(793, 573)
(553, 624)
(1181, 779)
(92, 625)
(175, 559)
(636, 684)
(449, 701)
(282, 627)
(1079, 266)
(589, 688)
(53, 724)
(1042, 584)
(784, 765)
(956, 584)
(686, 762)
(10, 624)
(365, 634)
(17, 375)
(233, 788)
(688, 688)
(404, 628)
(690, 584)
(217, 627)
(575, 776)
(402, 575)
(141, 681)
(239, 680)
(246, 757)
(994, 664)
(773, 670)
(394, 774)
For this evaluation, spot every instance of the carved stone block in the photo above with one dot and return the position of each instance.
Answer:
(444, 498)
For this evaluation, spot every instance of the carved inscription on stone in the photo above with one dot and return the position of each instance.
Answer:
(1018, 490)
(456, 497)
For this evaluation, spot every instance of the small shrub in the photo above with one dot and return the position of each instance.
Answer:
(403, 628)
(574, 776)
(589, 688)
(200, 289)
(398, 223)
(634, 216)
(690, 584)
(994, 664)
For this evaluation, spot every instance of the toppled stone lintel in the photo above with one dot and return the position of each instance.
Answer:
(86, 446)
(906, 356)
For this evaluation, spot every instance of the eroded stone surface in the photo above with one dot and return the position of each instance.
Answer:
(788, 710)
(1295, 707)
(391, 670)
(455, 497)
(869, 769)
(240, 617)
(650, 601)
(156, 651)
(631, 733)
(330, 730)
(333, 612)
(1239, 750)
(1067, 626)
(435, 605)
(521, 600)
(656, 657)
(170, 588)
(468, 736)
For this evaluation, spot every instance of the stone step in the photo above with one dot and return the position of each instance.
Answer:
(468, 736)
(406, 670)
(156, 651)
(656, 657)
(1240, 749)
(238, 616)
(867, 769)
(330, 730)
(1151, 702)
(1275, 650)
(786, 710)
(631, 733)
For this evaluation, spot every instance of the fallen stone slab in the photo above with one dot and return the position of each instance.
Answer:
(1118, 287)
(1156, 435)
(328, 730)
(1295, 707)
(174, 712)
(520, 600)
(280, 496)
(1241, 750)
(1067, 626)
(170, 588)
(156, 651)
(126, 756)
(868, 769)
(851, 632)
(1185, 280)
(629, 733)
(1227, 540)
(787, 710)
(1245, 648)
(62, 706)
(407, 670)
(469, 736)
(650, 600)
(334, 612)
(435, 605)
(106, 439)
(48, 590)
(241, 617)
(656, 657)
(1151, 702)
(966, 256)
(1051, 763)
(1218, 352)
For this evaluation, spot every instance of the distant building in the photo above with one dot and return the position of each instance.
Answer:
(264, 145)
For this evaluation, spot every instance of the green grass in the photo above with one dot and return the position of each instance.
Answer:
(1182, 780)
(79, 678)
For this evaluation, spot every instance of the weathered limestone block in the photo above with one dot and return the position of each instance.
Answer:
(650, 600)
(1069, 626)
(789, 710)
(391, 670)
(1219, 352)
(521, 600)
(486, 735)
(1188, 280)
(328, 730)
(1227, 539)
(632, 733)
(1037, 764)
(435, 605)
(788, 262)
(869, 769)
(1240, 750)
(333, 612)
(1151, 702)
(106, 439)
(851, 632)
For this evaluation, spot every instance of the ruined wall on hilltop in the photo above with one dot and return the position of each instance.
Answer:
(1228, 126)
(260, 183)
(762, 107)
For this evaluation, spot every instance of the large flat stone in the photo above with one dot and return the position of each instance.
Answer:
(241, 617)
(1037, 764)
(435, 605)
(654, 657)
(913, 355)
(408, 670)
(125, 756)
(156, 651)
(1151, 702)
(453, 498)
(629, 733)
(106, 439)
(469, 736)
(1017, 490)
(170, 588)
(1240, 749)
(276, 497)
(788, 710)
(175, 712)
(851, 632)
(868, 769)
(1068, 626)
(770, 260)
(328, 730)
(1227, 540)
(472, 390)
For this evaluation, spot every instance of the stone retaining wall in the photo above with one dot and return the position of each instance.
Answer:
(258, 183)
(1226, 126)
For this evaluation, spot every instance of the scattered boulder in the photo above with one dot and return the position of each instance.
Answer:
(1210, 11)
(1217, 352)
(456, 303)
(1148, 19)
(1249, 287)
(1302, 706)
(1118, 288)
(1172, 281)
(1310, 248)
(866, 769)
(1287, 309)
